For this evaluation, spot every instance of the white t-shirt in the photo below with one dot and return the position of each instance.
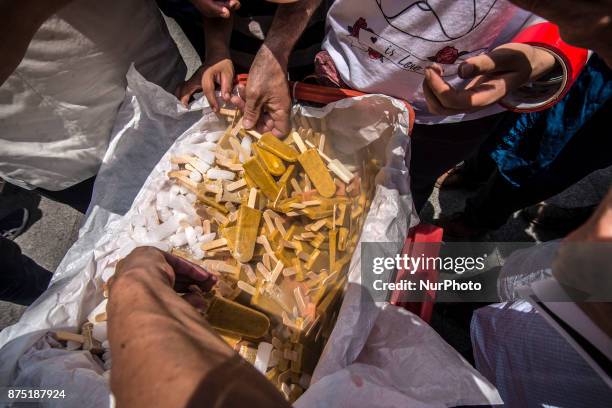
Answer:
(58, 108)
(383, 46)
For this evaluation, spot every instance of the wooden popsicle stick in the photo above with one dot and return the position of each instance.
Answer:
(246, 287)
(228, 112)
(252, 198)
(69, 336)
(253, 133)
(299, 142)
(235, 185)
(217, 243)
(323, 155)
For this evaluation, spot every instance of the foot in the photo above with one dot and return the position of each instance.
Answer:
(14, 223)
(558, 219)
(457, 227)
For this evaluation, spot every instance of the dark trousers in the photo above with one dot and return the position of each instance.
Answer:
(21, 279)
(77, 196)
(589, 150)
(437, 148)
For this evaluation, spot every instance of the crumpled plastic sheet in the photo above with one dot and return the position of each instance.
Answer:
(377, 355)
(524, 267)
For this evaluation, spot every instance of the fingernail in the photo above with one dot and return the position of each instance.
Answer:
(465, 70)
(247, 123)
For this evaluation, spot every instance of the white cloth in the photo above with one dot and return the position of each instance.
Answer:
(58, 108)
(383, 46)
(530, 363)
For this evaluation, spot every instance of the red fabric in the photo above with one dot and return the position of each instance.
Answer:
(423, 239)
(326, 71)
(546, 35)
(325, 94)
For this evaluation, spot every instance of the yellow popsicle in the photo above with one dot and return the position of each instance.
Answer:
(272, 144)
(287, 175)
(272, 162)
(246, 233)
(247, 229)
(234, 318)
(333, 239)
(318, 173)
(258, 174)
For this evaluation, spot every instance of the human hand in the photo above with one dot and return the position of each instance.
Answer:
(174, 271)
(220, 71)
(265, 101)
(584, 260)
(598, 227)
(216, 8)
(493, 75)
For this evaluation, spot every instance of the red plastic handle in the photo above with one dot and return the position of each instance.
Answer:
(313, 93)
(423, 239)
(324, 95)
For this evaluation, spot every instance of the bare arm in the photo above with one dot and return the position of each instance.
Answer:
(289, 23)
(218, 62)
(267, 89)
(164, 353)
(217, 33)
(217, 66)
(19, 21)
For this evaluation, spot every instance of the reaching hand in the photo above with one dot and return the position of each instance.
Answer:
(584, 258)
(265, 101)
(598, 227)
(176, 272)
(221, 72)
(216, 8)
(493, 75)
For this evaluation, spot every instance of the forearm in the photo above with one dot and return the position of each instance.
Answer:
(165, 354)
(289, 23)
(19, 21)
(217, 34)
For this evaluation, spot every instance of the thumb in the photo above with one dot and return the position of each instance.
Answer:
(226, 85)
(252, 110)
(478, 65)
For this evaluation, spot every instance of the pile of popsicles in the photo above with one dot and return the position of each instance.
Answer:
(286, 222)
(277, 222)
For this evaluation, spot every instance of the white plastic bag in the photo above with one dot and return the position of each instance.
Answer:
(377, 355)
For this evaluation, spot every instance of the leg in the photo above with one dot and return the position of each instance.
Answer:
(588, 151)
(494, 203)
(479, 167)
(472, 173)
(77, 196)
(189, 19)
(21, 279)
(437, 148)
